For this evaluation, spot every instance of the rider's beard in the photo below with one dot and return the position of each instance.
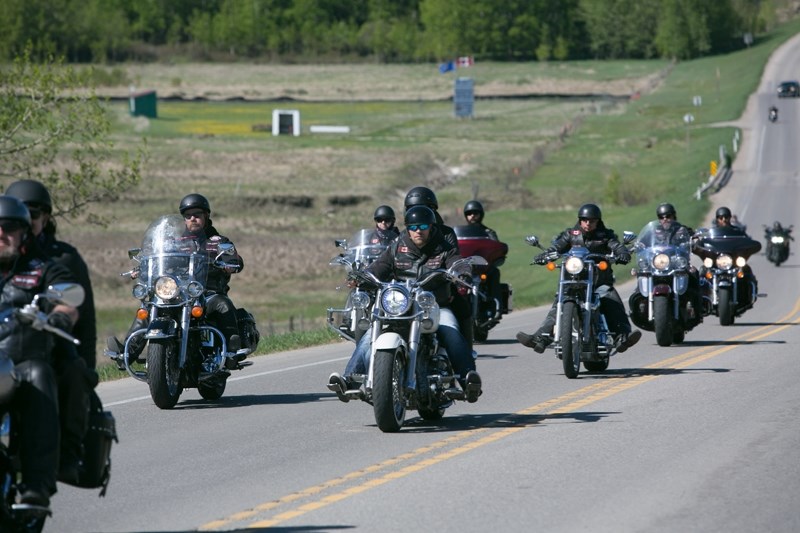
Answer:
(8, 256)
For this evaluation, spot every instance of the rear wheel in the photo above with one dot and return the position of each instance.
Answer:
(388, 400)
(570, 335)
(725, 306)
(163, 374)
(662, 320)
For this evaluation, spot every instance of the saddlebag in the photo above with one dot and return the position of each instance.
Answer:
(247, 329)
(96, 471)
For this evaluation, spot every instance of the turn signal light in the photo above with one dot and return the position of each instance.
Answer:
(197, 311)
(602, 265)
(740, 274)
(709, 275)
(551, 266)
(142, 314)
(483, 277)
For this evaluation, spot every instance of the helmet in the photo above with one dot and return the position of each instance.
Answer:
(12, 208)
(421, 196)
(665, 209)
(473, 206)
(723, 212)
(777, 225)
(589, 211)
(31, 192)
(194, 201)
(384, 211)
(420, 214)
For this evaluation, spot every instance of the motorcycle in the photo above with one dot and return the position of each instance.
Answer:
(778, 243)
(408, 368)
(351, 321)
(17, 517)
(581, 333)
(183, 349)
(730, 287)
(661, 302)
(773, 114)
(485, 253)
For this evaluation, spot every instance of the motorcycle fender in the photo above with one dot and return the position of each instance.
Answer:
(388, 341)
(162, 328)
(662, 290)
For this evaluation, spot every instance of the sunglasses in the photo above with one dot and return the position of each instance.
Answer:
(197, 215)
(662, 217)
(472, 213)
(36, 214)
(384, 220)
(588, 220)
(419, 227)
(10, 226)
(723, 217)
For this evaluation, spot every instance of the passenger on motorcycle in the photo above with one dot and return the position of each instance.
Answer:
(76, 376)
(591, 233)
(220, 310)
(385, 230)
(474, 213)
(420, 248)
(26, 272)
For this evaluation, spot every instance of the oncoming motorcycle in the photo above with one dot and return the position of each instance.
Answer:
(778, 238)
(408, 368)
(581, 333)
(183, 348)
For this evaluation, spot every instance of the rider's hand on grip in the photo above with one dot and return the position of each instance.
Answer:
(623, 258)
(541, 259)
(61, 321)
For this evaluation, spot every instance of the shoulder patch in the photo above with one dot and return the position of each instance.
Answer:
(402, 249)
(574, 232)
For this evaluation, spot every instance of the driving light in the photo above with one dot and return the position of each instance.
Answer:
(139, 291)
(426, 300)
(573, 265)
(708, 262)
(166, 288)
(740, 262)
(680, 262)
(194, 289)
(360, 300)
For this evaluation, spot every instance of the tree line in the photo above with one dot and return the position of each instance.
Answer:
(381, 30)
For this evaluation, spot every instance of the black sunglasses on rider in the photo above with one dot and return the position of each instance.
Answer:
(723, 217)
(9, 225)
(470, 213)
(420, 227)
(196, 214)
(662, 217)
(384, 220)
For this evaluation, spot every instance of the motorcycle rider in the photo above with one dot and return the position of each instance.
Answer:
(76, 377)
(26, 272)
(220, 310)
(460, 305)
(420, 248)
(723, 217)
(474, 213)
(773, 113)
(385, 230)
(590, 232)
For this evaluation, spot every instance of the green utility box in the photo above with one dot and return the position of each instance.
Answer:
(143, 104)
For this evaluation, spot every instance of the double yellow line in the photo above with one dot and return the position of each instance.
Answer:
(360, 481)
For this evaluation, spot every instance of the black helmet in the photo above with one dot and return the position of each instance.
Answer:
(12, 208)
(665, 209)
(194, 201)
(31, 192)
(421, 196)
(473, 206)
(589, 211)
(723, 212)
(420, 214)
(384, 211)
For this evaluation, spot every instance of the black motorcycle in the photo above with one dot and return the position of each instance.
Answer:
(730, 287)
(778, 238)
(486, 310)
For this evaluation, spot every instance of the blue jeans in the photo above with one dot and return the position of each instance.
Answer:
(453, 341)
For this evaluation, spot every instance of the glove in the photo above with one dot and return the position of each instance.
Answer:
(541, 259)
(624, 257)
(61, 321)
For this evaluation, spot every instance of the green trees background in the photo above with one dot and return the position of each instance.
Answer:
(380, 30)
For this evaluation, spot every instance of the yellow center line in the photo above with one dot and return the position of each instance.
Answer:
(565, 403)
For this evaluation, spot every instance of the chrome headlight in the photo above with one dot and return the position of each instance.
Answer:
(661, 262)
(166, 288)
(776, 239)
(740, 262)
(573, 265)
(426, 300)
(724, 262)
(194, 289)
(680, 262)
(139, 291)
(395, 301)
(359, 300)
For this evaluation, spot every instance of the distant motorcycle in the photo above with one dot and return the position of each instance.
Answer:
(352, 320)
(486, 253)
(581, 330)
(773, 114)
(730, 288)
(778, 238)
(661, 302)
(184, 349)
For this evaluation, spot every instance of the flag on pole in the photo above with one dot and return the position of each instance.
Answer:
(447, 67)
(466, 61)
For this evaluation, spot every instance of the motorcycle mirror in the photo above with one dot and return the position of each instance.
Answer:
(70, 294)
(628, 236)
(533, 240)
(340, 243)
(462, 267)
(225, 248)
(133, 252)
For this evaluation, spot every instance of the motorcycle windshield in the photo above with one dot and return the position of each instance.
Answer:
(364, 247)
(655, 239)
(728, 240)
(472, 240)
(169, 250)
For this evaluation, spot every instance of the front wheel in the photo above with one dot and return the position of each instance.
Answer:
(388, 400)
(570, 335)
(163, 374)
(662, 320)
(725, 306)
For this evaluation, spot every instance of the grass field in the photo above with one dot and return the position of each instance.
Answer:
(532, 161)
